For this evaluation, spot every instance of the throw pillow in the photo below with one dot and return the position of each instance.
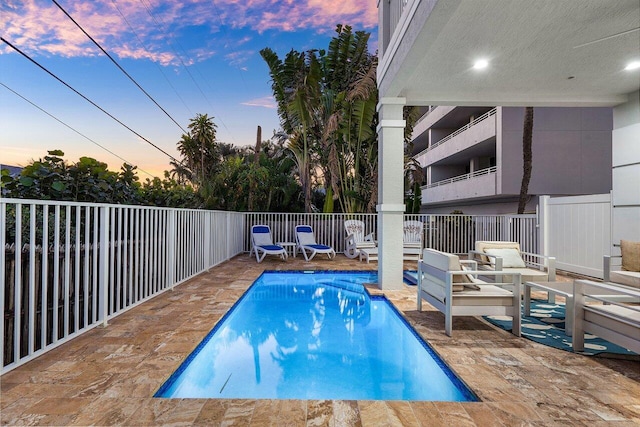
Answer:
(630, 255)
(510, 257)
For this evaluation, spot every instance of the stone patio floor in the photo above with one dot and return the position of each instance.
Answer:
(108, 375)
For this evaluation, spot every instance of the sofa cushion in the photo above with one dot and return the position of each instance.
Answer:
(510, 257)
(630, 255)
(628, 278)
(481, 245)
(448, 262)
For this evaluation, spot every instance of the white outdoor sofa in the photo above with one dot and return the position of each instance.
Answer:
(456, 292)
(613, 321)
(614, 265)
(507, 256)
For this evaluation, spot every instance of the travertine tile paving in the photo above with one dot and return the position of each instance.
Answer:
(109, 375)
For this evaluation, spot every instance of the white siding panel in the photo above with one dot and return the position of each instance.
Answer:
(579, 232)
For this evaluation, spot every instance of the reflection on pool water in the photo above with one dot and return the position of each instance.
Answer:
(314, 335)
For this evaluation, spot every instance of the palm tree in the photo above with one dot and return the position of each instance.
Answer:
(527, 158)
(203, 134)
(295, 85)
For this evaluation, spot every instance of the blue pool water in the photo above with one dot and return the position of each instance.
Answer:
(314, 335)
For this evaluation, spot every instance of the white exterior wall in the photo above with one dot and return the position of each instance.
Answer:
(626, 172)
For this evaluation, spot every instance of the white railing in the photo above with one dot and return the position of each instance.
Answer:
(69, 267)
(481, 172)
(449, 137)
(458, 233)
(396, 7)
(328, 228)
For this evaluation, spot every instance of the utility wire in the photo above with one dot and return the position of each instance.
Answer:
(148, 52)
(88, 100)
(118, 65)
(165, 29)
(75, 130)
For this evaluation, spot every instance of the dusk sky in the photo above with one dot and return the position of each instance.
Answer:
(191, 56)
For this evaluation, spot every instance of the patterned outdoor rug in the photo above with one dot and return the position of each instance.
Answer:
(546, 326)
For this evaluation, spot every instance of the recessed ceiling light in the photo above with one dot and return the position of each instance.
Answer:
(633, 65)
(481, 64)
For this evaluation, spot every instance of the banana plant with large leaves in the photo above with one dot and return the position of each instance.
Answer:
(296, 89)
(327, 106)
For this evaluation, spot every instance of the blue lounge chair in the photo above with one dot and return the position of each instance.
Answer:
(306, 241)
(262, 243)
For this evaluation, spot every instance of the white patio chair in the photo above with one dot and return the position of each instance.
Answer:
(507, 256)
(412, 241)
(306, 241)
(262, 243)
(444, 284)
(356, 239)
(612, 320)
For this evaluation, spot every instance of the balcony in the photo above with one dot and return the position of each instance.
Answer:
(479, 130)
(480, 183)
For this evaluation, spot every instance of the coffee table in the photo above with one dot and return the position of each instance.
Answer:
(288, 246)
(369, 254)
(564, 289)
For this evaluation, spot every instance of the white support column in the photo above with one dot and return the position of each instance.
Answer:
(390, 191)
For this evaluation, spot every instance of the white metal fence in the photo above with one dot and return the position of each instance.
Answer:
(68, 267)
(448, 233)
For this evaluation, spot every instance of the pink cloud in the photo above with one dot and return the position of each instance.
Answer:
(37, 26)
(264, 102)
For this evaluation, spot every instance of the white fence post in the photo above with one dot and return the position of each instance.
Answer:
(3, 221)
(543, 227)
(172, 242)
(103, 278)
(207, 239)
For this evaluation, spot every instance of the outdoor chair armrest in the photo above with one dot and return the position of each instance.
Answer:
(477, 257)
(369, 237)
(606, 267)
(545, 262)
(473, 263)
(531, 254)
(517, 276)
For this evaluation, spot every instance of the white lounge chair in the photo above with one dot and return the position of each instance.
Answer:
(613, 321)
(412, 241)
(444, 284)
(507, 256)
(357, 240)
(306, 241)
(262, 243)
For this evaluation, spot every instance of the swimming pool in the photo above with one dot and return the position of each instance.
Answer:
(314, 335)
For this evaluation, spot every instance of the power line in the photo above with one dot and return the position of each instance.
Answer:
(144, 46)
(118, 65)
(75, 130)
(166, 31)
(88, 100)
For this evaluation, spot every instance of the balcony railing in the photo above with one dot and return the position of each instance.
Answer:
(396, 9)
(449, 137)
(69, 267)
(481, 172)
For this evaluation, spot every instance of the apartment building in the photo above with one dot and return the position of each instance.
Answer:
(472, 156)
(545, 53)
